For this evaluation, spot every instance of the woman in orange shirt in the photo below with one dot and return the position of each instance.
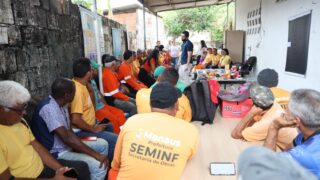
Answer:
(149, 65)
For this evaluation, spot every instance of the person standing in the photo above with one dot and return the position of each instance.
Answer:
(186, 55)
(174, 53)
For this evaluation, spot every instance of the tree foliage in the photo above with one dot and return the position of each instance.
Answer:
(210, 18)
(85, 3)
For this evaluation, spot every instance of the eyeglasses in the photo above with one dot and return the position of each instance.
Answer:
(19, 111)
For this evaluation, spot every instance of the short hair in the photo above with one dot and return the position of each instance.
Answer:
(170, 75)
(62, 86)
(104, 57)
(13, 93)
(127, 54)
(226, 50)
(305, 104)
(81, 67)
(186, 33)
(161, 47)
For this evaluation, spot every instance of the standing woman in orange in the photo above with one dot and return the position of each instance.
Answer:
(149, 65)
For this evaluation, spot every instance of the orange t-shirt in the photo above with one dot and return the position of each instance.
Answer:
(124, 74)
(111, 85)
(147, 67)
(259, 130)
(150, 146)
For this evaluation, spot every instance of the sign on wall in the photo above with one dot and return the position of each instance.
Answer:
(90, 48)
(116, 42)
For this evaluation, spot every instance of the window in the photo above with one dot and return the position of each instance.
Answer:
(298, 44)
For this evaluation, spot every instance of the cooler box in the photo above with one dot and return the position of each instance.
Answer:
(235, 109)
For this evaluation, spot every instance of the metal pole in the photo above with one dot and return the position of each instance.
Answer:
(97, 37)
(144, 26)
(157, 26)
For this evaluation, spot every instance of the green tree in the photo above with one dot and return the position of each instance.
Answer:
(210, 18)
(85, 3)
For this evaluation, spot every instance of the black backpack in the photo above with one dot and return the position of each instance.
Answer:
(203, 109)
(248, 65)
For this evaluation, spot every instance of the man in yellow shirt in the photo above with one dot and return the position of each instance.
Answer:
(83, 117)
(254, 126)
(21, 156)
(143, 96)
(155, 145)
(212, 58)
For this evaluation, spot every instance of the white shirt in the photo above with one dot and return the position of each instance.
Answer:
(174, 51)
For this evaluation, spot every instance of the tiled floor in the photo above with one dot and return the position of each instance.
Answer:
(216, 145)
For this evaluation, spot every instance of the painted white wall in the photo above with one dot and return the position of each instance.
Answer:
(270, 46)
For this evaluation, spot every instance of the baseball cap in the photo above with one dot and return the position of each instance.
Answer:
(261, 96)
(263, 164)
(94, 65)
(268, 77)
(158, 71)
(164, 95)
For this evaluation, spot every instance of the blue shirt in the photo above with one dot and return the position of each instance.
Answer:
(47, 117)
(185, 47)
(307, 152)
(98, 103)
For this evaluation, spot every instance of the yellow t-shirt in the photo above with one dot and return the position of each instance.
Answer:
(225, 60)
(154, 146)
(213, 59)
(280, 94)
(16, 152)
(259, 130)
(143, 104)
(82, 104)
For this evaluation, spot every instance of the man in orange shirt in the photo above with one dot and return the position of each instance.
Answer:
(113, 89)
(125, 73)
(155, 145)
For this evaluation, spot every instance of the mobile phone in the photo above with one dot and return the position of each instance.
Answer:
(72, 173)
(222, 169)
(88, 138)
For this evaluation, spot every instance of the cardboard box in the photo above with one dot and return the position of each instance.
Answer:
(235, 109)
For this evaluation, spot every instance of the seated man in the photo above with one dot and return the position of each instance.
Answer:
(82, 111)
(159, 70)
(51, 127)
(103, 110)
(149, 145)
(113, 89)
(125, 73)
(170, 75)
(254, 126)
(212, 59)
(21, 156)
(303, 113)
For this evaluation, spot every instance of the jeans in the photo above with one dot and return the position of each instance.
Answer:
(174, 61)
(100, 146)
(127, 106)
(110, 137)
(80, 166)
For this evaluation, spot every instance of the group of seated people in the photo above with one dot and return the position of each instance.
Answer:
(210, 59)
(78, 128)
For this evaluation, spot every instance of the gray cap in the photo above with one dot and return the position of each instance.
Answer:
(261, 96)
(268, 78)
(258, 163)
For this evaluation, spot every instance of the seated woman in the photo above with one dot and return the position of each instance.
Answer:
(225, 58)
(254, 126)
(147, 69)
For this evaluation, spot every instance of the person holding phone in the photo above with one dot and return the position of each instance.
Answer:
(21, 155)
(51, 126)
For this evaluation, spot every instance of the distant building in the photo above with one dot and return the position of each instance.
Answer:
(132, 16)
